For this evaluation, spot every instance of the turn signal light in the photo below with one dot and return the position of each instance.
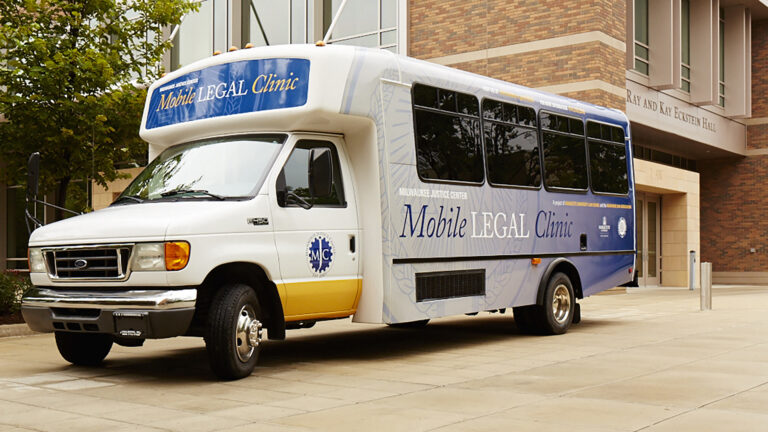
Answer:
(535, 261)
(176, 255)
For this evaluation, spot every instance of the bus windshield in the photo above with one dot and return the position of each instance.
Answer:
(220, 168)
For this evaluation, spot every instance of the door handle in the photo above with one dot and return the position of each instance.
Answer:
(352, 245)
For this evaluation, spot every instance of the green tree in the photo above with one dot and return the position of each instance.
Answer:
(73, 75)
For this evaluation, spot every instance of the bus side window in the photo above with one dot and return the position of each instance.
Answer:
(448, 136)
(294, 177)
(565, 155)
(607, 159)
(511, 144)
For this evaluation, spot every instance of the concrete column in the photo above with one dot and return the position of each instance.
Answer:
(664, 43)
(236, 22)
(704, 54)
(738, 61)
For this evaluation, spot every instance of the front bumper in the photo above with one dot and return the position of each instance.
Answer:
(136, 314)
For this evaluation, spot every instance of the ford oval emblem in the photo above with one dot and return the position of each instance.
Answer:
(81, 264)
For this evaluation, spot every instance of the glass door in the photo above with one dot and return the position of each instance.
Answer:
(648, 239)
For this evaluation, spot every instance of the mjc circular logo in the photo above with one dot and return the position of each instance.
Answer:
(622, 227)
(320, 252)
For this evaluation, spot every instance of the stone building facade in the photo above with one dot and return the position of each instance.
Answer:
(690, 74)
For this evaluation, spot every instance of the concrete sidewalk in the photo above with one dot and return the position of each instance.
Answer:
(645, 360)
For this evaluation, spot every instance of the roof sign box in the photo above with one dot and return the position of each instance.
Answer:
(230, 88)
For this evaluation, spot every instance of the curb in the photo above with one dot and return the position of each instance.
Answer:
(10, 330)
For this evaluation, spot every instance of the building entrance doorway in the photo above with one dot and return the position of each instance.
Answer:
(648, 238)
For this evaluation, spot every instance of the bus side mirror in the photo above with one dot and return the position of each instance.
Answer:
(320, 172)
(33, 175)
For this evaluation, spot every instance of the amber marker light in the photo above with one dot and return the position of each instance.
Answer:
(248, 45)
(535, 261)
(176, 255)
(232, 48)
(217, 52)
(320, 43)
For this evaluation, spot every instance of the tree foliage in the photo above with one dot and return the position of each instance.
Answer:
(72, 79)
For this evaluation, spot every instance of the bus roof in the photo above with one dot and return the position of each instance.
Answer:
(306, 87)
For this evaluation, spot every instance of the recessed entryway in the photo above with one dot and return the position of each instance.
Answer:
(648, 217)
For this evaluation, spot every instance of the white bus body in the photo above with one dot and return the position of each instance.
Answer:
(386, 246)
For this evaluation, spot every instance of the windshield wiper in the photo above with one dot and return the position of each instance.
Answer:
(186, 191)
(134, 198)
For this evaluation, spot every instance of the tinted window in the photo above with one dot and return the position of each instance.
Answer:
(605, 132)
(526, 116)
(608, 165)
(294, 177)
(607, 158)
(448, 147)
(565, 156)
(511, 150)
(425, 96)
(448, 140)
(513, 155)
(565, 164)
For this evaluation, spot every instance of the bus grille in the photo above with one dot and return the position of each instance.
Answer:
(88, 263)
(449, 284)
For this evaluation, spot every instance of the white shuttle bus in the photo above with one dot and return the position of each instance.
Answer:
(294, 184)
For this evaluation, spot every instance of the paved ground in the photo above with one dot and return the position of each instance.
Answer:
(645, 360)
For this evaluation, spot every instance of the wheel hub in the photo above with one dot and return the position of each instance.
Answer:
(247, 333)
(561, 304)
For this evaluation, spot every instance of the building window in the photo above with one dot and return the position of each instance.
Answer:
(685, 42)
(721, 79)
(664, 158)
(369, 23)
(641, 36)
(201, 33)
(222, 23)
(276, 23)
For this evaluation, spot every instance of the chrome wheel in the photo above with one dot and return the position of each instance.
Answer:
(247, 333)
(561, 304)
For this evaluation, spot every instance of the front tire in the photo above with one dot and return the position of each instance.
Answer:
(83, 349)
(233, 338)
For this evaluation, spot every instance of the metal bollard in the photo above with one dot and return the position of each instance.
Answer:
(692, 270)
(706, 286)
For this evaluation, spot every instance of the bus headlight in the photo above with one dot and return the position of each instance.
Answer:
(148, 257)
(160, 256)
(36, 261)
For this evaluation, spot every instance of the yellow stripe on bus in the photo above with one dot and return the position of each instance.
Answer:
(323, 298)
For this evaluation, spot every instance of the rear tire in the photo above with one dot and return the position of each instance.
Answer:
(233, 336)
(559, 305)
(557, 313)
(83, 349)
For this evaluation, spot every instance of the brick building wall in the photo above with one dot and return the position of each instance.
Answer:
(734, 194)
(439, 28)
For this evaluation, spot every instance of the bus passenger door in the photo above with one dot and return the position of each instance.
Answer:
(316, 230)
